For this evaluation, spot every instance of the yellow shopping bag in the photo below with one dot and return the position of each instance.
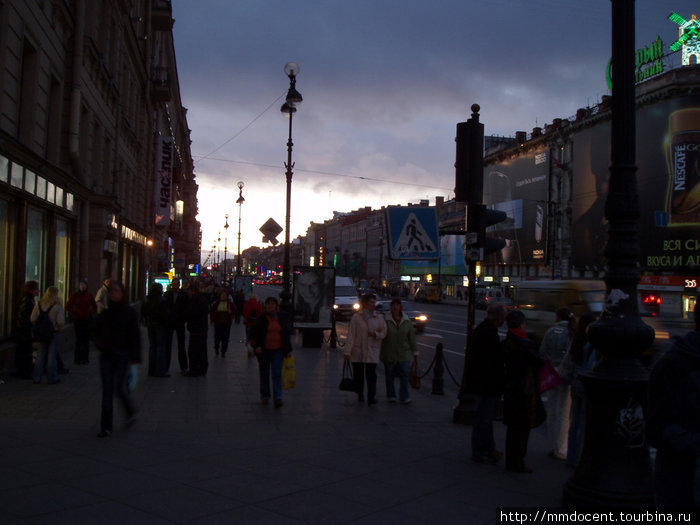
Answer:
(289, 374)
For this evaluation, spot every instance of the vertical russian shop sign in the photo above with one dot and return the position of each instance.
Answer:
(164, 181)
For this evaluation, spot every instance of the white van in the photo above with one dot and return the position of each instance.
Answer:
(346, 299)
(539, 300)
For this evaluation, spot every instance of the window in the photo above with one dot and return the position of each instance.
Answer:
(16, 175)
(28, 90)
(4, 169)
(29, 181)
(36, 248)
(6, 297)
(61, 260)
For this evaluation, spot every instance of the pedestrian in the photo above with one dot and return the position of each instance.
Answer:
(156, 315)
(118, 338)
(485, 377)
(221, 315)
(197, 325)
(271, 339)
(673, 422)
(102, 296)
(522, 407)
(365, 333)
(252, 310)
(23, 330)
(581, 358)
(397, 350)
(48, 346)
(555, 344)
(177, 303)
(82, 308)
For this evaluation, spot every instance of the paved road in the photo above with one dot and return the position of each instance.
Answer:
(205, 451)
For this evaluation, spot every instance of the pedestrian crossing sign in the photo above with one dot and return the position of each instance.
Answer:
(413, 232)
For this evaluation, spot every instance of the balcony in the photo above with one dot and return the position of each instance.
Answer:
(162, 15)
(160, 84)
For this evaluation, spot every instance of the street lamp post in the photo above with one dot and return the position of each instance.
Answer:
(615, 469)
(240, 201)
(291, 69)
(225, 245)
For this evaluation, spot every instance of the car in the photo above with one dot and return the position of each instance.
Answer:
(418, 319)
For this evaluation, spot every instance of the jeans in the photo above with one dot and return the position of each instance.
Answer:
(577, 427)
(82, 340)
(157, 360)
(179, 330)
(113, 371)
(46, 357)
(270, 362)
(400, 370)
(483, 443)
(368, 370)
(222, 333)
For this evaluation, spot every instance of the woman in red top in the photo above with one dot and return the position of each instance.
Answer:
(82, 308)
(271, 339)
(221, 314)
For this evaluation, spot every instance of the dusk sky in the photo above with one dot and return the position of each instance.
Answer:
(384, 84)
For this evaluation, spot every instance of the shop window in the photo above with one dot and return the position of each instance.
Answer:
(36, 248)
(61, 260)
(6, 297)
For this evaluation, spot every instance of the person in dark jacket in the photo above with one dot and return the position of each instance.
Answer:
(271, 339)
(118, 337)
(197, 325)
(177, 303)
(485, 378)
(252, 310)
(522, 406)
(23, 330)
(82, 308)
(221, 315)
(673, 421)
(156, 315)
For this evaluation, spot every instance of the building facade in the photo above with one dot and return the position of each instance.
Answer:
(96, 174)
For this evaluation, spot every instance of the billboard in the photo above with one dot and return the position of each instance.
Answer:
(451, 260)
(313, 296)
(164, 180)
(519, 187)
(668, 175)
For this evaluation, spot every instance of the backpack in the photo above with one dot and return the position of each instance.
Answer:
(43, 327)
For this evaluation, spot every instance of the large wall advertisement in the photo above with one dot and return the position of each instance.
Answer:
(668, 174)
(519, 186)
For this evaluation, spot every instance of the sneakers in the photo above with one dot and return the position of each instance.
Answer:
(392, 400)
(104, 433)
(278, 403)
(407, 401)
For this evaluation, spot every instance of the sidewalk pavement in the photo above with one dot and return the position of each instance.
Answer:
(205, 451)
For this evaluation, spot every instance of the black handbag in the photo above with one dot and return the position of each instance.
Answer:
(347, 383)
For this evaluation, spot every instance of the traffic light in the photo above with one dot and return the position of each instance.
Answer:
(469, 159)
(479, 217)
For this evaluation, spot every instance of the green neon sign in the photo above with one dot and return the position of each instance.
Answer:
(648, 60)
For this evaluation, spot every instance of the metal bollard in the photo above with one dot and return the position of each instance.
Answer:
(438, 372)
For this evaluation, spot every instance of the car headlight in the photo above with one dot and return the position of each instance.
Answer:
(335, 307)
(422, 318)
(356, 306)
